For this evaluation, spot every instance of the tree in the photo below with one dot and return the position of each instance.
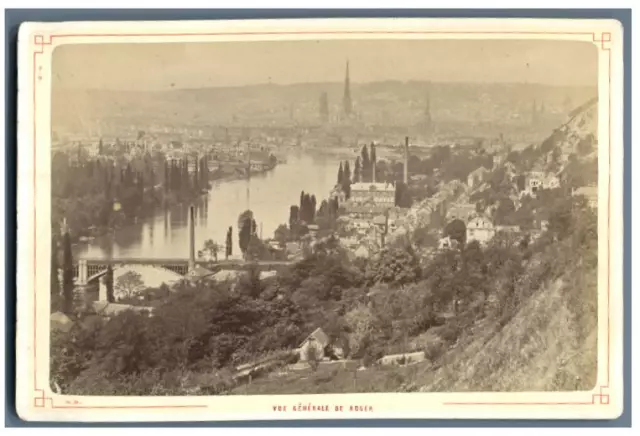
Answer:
(361, 323)
(108, 282)
(395, 265)
(457, 230)
(294, 213)
(247, 229)
(346, 172)
(372, 161)
(229, 243)
(365, 171)
(55, 281)
(282, 235)
(357, 170)
(210, 249)
(67, 276)
(128, 284)
(423, 238)
(257, 249)
(312, 355)
(402, 195)
(340, 175)
(346, 180)
(504, 211)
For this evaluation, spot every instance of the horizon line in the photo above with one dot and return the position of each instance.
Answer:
(340, 83)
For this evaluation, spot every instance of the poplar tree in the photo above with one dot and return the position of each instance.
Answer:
(108, 281)
(55, 281)
(67, 275)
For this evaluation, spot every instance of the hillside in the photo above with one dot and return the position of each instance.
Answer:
(516, 313)
(535, 328)
(393, 103)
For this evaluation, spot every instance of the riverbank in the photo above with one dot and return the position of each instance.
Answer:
(269, 196)
(170, 200)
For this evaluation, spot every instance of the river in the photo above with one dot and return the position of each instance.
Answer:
(268, 195)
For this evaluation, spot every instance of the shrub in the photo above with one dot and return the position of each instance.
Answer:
(312, 356)
(435, 349)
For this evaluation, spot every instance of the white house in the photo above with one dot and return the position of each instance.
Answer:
(402, 359)
(481, 229)
(477, 177)
(461, 212)
(318, 340)
(447, 243)
(362, 252)
(378, 193)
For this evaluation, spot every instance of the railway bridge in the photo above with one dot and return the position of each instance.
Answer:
(86, 270)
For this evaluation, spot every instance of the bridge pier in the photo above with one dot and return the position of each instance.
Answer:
(82, 272)
(102, 289)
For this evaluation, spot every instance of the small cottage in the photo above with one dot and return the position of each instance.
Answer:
(477, 177)
(318, 340)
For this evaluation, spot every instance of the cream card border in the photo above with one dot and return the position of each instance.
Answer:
(36, 401)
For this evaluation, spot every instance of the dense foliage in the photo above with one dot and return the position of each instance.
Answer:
(93, 194)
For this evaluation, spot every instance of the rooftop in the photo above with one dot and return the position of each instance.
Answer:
(388, 187)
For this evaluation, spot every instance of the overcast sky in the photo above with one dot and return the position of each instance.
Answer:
(194, 65)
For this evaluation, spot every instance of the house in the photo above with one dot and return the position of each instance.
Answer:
(106, 309)
(534, 181)
(510, 170)
(381, 194)
(318, 340)
(226, 275)
(461, 212)
(313, 230)
(349, 242)
(590, 193)
(508, 229)
(380, 221)
(551, 182)
(293, 249)
(362, 251)
(481, 229)
(274, 244)
(338, 194)
(402, 359)
(477, 177)
(537, 180)
(447, 243)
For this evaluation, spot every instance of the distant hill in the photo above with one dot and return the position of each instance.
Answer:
(393, 103)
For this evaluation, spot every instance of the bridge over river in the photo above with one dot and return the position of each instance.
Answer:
(88, 270)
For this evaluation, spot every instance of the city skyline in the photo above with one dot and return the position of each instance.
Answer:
(237, 64)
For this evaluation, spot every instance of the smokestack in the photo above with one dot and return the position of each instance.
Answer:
(192, 238)
(406, 160)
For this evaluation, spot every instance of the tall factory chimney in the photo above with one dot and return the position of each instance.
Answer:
(405, 178)
(192, 238)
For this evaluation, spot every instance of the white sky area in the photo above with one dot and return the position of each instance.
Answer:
(164, 66)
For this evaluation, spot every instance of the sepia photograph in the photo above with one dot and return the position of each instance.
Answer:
(324, 215)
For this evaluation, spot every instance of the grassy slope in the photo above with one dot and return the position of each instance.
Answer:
(549, 344)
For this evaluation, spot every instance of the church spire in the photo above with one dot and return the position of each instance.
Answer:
(346, 100)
